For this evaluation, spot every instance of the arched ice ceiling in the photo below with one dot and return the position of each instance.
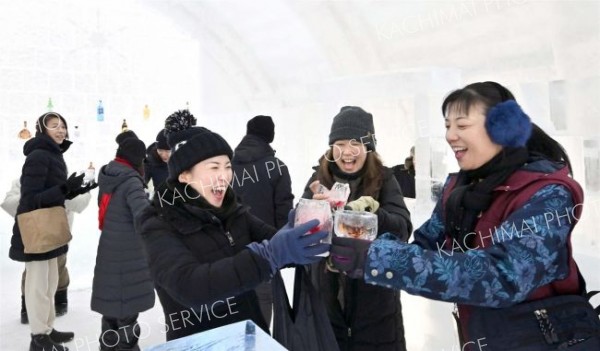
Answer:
(286, 52)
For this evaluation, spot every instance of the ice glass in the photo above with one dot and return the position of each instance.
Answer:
(338, 195)
(355, 224)
(308, 209)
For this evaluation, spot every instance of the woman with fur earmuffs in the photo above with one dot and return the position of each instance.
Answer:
(498, 243)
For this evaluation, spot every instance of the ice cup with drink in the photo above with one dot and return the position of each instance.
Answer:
(338, 195)
(308, 209)
(355, 224)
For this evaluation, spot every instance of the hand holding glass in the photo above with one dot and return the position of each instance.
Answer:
(308, 209)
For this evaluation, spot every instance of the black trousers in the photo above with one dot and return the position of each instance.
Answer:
(120, 334)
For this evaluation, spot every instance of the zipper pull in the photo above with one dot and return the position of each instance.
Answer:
(349, 332)
(230, 238)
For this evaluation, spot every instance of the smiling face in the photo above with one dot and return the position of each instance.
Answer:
(468, 138)
(349, 155)
(55, 129)
(210, 178)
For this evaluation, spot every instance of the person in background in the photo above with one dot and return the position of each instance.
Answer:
(155, 164)
(75, 205)
(498, 243)
(405, 175)
(268, 189)
(44, 184)
(363, 317)
(122, 287)
(206, 252)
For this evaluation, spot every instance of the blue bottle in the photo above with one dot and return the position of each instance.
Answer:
(100, 111)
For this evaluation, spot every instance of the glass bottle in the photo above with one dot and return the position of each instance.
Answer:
(124, 126)
(90, 174)
(50, 106)
(100, 111)
(146, 112)
(24, 133)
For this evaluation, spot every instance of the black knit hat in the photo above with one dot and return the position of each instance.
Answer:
(191, 145)
(125, 135)
(131, 148)
(263, 127)
(161, 141)
(353, 122)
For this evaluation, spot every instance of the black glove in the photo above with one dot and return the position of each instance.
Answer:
(81, 190)
(349, 255)
(73, 183)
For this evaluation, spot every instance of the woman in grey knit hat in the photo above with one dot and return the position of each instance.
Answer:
(363, 317)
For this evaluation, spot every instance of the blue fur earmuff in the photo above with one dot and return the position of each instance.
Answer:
(508, 125)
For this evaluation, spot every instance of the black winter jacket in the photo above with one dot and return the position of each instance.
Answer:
(122, 286)
(262, 181)
(203, 272)
(42, 186)
(155, 168)
(363, 316)
(406, 179)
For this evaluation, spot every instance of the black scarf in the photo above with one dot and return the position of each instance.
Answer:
(472, 193)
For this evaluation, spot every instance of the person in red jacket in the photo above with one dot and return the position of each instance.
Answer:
(498, 241)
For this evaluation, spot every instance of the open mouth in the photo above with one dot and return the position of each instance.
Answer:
(348, 164)
(218, 191)
(459, 151)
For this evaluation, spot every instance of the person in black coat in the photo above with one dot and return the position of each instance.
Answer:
(122, 287)
(44, 184)
(363, 317)
(263, 183)
(206, 252)
(405, 175)
(155, 164)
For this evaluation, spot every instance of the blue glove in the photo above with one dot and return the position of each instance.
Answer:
(292, 245)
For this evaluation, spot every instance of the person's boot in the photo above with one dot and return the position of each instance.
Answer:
(60, 302)
(24, 317)
(61, 337)
(42, 342)
(128, 338)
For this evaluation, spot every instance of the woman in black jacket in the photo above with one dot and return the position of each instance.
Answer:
(44, 184)
(363, 317)
(206, 253)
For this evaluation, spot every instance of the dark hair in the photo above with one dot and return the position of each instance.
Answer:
(490, 94)
(486, 93)
(542, 143)
(40, 124)
(372, 179)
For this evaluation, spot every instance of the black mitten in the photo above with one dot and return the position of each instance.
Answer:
(82, 190)
(349, 255)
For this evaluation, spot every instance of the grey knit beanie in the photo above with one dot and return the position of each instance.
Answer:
(353, 122)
